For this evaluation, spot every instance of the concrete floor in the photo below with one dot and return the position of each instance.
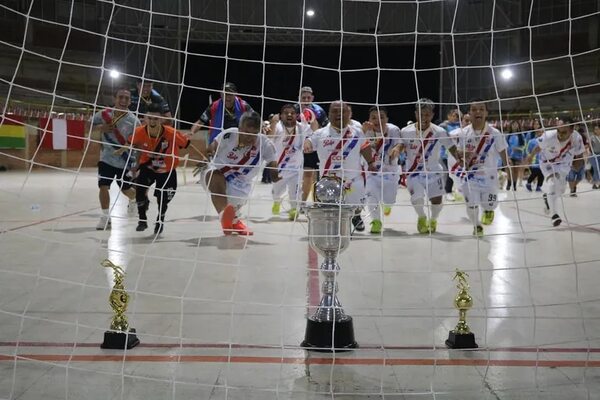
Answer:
(222, 317)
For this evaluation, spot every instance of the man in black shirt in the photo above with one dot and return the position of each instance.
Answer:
(144, 94)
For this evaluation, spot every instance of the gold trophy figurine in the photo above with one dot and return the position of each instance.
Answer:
(119, 336)
(462, 337)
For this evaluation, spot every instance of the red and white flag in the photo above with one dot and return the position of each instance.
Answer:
(61, 134)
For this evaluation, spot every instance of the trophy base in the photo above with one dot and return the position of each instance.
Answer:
(319, 334)
(461, 341)
(120, 340)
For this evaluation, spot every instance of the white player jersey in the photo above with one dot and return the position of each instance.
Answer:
(481, 150)
(454, 133)
(354, 123)
(380, 147)
(559, 154)
(241, 162)
(423, 149)
(339, 157)
(288, 145)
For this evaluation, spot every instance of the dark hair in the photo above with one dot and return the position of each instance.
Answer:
(378, 109)
(520, 136)
(424, 104)
(567, 120)
(252, 119)
(153, 108)
(230, 87)
(479, 100)
(287, 105)
(146, 79)
(511, 124)
(120, 89)
(342, 103)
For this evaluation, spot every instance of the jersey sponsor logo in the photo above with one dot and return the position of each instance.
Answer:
(328, 142)
(232, 155)
(470, 145)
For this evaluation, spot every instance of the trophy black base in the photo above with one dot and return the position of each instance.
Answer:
(461, 341)
(120, 340)
(319, 335)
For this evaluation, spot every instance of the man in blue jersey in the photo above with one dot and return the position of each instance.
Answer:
(223, 113)
(451, 123)
(535, 173)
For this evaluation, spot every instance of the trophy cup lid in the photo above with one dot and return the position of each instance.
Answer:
(329, 191)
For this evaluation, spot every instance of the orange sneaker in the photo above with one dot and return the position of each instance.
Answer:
(227, 219)
(241, 229)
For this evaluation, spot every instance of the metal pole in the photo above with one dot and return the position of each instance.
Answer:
(441, 91)
(179, 77)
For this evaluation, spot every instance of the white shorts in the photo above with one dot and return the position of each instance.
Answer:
(555, 184)
(425, 185)
(480, 191)
(355, 193)
(290, 181)
(382, 189)
(238, 190)
(559, 169)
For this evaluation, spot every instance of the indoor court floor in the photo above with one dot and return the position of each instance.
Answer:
(222, 317)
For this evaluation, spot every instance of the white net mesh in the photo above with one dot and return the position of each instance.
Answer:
(222, 316)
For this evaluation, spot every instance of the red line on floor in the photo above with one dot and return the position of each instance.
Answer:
(43, 221)
(301, 360)
(292, 347)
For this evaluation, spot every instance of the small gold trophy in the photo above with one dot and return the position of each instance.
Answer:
(120, 335)
(462, 337)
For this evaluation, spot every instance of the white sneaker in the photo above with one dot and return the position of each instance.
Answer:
(104, 223)
(450, 197)
(132, 208)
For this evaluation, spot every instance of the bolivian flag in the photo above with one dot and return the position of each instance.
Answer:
(12, 132)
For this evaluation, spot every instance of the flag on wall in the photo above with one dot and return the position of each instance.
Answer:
(12, 132)
(61, 134)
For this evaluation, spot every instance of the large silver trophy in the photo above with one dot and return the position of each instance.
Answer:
(329, 222)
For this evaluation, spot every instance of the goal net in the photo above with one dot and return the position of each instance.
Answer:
(231, 316)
